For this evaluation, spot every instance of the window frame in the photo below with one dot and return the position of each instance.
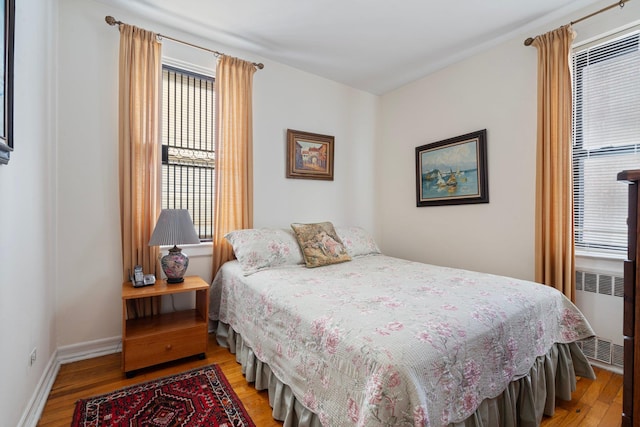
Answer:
(201, 73)
(580, 153)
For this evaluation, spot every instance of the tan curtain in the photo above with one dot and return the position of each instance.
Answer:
(554, 243)
(234, 153)
(139, 89)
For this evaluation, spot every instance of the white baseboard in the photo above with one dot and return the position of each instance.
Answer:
(31, 415)
(64, 354)
(606, 367)
(89, 349)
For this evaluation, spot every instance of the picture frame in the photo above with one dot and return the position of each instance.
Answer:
(453, 171)
(6, 79)
(309, 155)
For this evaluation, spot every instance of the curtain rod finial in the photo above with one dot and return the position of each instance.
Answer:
(110, 20)
(528, 41)
(260, 66)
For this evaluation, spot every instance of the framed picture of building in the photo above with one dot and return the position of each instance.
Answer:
(309, 155)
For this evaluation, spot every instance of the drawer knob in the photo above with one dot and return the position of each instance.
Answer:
(168, 347)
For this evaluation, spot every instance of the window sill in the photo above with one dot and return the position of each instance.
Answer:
(601, 255)
(600, 262)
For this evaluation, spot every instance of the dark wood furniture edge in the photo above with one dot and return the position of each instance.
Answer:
(631, 325)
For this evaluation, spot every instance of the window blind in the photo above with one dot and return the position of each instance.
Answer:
(188, 146)
(606, 139)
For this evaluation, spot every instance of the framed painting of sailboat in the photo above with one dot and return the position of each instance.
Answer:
(453, 171)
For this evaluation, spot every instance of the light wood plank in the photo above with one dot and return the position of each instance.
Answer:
(594, 403)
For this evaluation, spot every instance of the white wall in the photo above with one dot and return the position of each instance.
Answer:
(27, 215)
(88, 306)
(495, 90)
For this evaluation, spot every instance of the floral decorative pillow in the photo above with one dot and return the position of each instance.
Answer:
(320, 244)
(357, 241)
(262, 248)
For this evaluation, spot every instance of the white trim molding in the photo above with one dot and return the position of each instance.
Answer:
(64, 354)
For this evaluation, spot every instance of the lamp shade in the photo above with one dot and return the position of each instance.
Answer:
(174, 227)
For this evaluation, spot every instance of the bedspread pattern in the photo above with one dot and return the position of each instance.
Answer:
(381, 341)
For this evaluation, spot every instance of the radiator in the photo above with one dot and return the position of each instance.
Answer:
(600, 297)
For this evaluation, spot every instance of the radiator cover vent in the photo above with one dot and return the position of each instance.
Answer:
(591, 282)
(603, 351)
(588, 347)
(604, 284)
(579, 275)
(617, 355)
(618, 287)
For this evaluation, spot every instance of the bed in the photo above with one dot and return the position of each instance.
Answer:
(374, 340)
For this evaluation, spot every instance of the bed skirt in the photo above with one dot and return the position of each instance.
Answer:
(522, 404)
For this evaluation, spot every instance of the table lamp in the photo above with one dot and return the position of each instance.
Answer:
(174, 227)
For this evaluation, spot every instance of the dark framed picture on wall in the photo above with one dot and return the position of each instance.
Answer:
(309, 155)
(453, 171)
(6, 79)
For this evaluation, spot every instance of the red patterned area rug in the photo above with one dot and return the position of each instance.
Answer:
(200, 397)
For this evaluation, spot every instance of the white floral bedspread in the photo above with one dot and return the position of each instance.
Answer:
(381, 341)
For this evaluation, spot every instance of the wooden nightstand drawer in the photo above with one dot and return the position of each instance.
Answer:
(150, 340)
(153, 349)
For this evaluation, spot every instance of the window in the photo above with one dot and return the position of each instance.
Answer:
(606, 139)
(188, 146)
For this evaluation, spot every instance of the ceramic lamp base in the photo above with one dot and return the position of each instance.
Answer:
(174, 265)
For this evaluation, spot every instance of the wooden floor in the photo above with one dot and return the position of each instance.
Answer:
(595, 403)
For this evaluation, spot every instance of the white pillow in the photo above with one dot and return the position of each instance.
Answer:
(262, 248)
(357, 241)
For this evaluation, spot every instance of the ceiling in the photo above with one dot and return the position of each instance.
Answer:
(372, 45)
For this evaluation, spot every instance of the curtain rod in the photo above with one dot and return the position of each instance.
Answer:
(621, 3)
(112, 21)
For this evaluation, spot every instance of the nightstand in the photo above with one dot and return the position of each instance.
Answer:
(151, 340)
